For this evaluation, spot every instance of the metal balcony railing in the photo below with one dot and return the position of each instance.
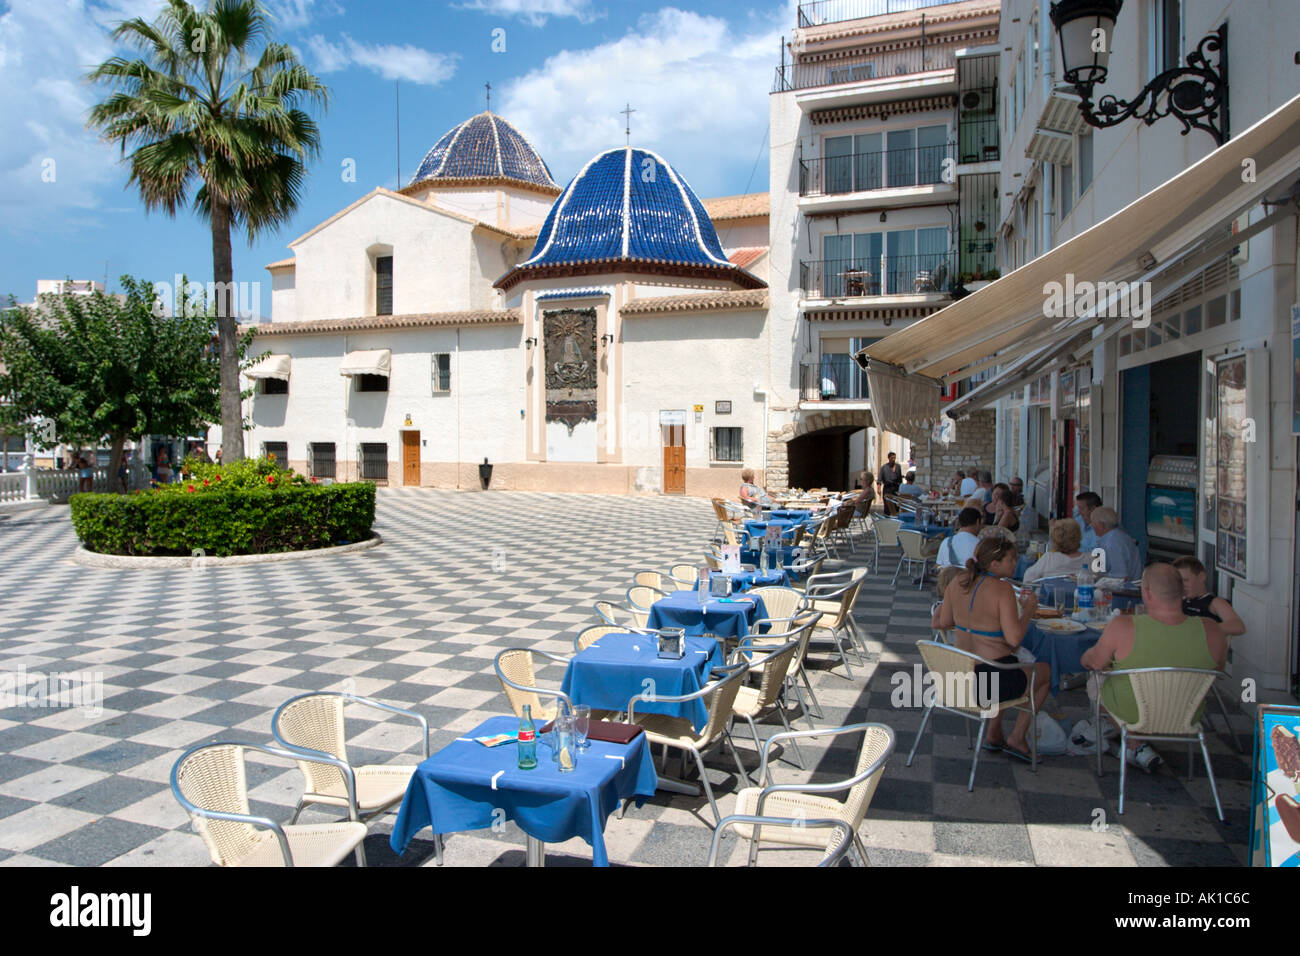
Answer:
(819, 12)
(868, 276)
(977, 140)
(919, 59)
(836, 378)
(862, 172)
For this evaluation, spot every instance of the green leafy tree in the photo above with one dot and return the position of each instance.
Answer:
(99, 367)
(204, 106)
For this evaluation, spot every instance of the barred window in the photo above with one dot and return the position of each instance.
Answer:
(321, 462)
(441, 372)
(280, 449)
(728, 444)
(374, 461)
(384, 285)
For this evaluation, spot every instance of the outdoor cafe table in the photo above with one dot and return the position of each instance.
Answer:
(464, 784)
(744, 580)
(721, 617)
(791, 514)
(751, 555)
(756, 529)
(1063, 652)
(618, 667)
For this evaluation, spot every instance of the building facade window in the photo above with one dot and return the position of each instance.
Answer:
(441, 372)
(1164, 36)
(1067, 190)
(898, 262)
(1085, 162)
(383, 285)
(892, 159)
(274, 386)
(372, 383)
(374, 461)
(321, 459)
(728, 444)
(280, 449)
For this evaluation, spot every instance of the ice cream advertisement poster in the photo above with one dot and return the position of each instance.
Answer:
(1275, 840)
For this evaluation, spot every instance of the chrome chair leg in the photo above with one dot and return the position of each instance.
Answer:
(1227, 725)
(1209, 772)
(1123, 764)
(919, 731)
(975, 761)
(708, 788)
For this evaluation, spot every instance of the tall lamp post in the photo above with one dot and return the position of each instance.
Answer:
(1195, 94)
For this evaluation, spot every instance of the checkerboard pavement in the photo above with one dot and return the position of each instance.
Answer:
(193, 655)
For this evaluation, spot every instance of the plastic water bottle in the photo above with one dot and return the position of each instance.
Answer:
(527, 740)
(702, 589)
(1084, 596)
(763, 558)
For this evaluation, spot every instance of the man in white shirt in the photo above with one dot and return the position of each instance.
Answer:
(968, 485)
(985, 489)
(955, 550)
(1122, 557)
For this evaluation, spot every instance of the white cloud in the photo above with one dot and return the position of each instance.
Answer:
(535, 12)
(390, 60)
(296, 14)
(699, 85)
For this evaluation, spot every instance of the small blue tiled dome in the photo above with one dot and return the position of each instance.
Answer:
(628, 204)
(484, 147)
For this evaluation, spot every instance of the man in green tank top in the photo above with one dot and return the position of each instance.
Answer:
(1163, 637)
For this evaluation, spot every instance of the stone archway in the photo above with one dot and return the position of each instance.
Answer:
(777, 477)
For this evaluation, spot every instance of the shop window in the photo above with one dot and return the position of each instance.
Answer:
(372, 383)
(728, 444)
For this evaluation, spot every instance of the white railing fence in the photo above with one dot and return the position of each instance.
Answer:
(30, 483)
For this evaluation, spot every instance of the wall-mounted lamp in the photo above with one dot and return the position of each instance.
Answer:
(606, 338)
(882, 216)
(529, 343)
(1195, 94)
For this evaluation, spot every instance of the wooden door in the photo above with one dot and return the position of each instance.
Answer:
(674, 459)
(411, 459)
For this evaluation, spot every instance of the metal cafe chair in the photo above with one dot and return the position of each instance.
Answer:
(839, 842)
(518, 676)
(1168, 699)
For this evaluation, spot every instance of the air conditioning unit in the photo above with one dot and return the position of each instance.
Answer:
(977, 101)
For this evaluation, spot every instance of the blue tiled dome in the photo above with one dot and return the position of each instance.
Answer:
(484, 147)
(628, 207)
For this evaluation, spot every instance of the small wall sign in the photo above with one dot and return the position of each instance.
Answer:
(722, 408)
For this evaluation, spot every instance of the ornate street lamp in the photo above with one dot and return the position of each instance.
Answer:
(1197, 94)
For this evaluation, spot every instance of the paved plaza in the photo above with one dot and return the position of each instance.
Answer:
(189, 656)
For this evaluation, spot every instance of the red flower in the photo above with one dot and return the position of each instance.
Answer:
(206, 482)
(190, 488)
(270, 456)
(270, 479)
(313, 479)
(218, 477)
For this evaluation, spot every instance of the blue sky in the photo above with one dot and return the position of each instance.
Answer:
(698, 77)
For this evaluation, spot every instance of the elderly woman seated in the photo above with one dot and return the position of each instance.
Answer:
(1063, 556)
(753, 496)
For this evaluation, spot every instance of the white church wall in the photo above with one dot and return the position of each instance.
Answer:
(284, 295)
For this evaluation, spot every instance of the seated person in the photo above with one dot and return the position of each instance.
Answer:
(910, 487)
(1063, 555)
(1199, 602)
(999, 512)
(1163, 637)
(960, 548)
(954, 485)
(1121, 551)
(989, 621)
(751, 495)
(968, 485)
(1017, 491)
(1085, 503)
(984, 490)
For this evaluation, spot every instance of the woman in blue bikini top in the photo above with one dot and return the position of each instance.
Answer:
(982, 608)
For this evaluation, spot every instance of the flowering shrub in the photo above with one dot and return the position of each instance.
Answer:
(249, 507)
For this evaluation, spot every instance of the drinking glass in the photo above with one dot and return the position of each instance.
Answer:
(581, 726)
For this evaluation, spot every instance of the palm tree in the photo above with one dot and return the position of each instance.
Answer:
(201, 106)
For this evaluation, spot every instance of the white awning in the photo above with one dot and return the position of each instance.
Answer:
(1005, 320)
(373, 362)
(273, 366)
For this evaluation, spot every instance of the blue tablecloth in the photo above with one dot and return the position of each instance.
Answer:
(908, 523)
(609, 673)
(757, 529)
(1062, 651)
(744, 580)
(790, 514)
(720, 617)
(453, 790)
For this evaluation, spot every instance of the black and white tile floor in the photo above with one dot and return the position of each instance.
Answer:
(191, 655)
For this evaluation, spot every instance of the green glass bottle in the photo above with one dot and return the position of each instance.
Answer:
(527, 740)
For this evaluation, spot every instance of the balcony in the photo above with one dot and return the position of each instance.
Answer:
(820, 12)
(978, 141)
(879, 73)
(928, 275)
(836, 379)
(899, 177)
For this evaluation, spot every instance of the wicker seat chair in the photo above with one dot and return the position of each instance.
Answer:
(655, 579)
(518, 676)
(812, 801)
(839, 842)
(781, 602)
(678, 734)
(589, 635)
(917, 549)
(835, 596)
(773, 666)
(312, 724)
(641, 597)
(1169, 701)
(618, 615)
(955, 692)
(685, 576)
(210, 782)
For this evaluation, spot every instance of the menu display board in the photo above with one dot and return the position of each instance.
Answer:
(1275, 787)
(1232, 553)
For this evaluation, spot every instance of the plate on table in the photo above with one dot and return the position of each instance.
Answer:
(1043, 613)
(1060, 626)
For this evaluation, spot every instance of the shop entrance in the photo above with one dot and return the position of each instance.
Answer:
(821, 459)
